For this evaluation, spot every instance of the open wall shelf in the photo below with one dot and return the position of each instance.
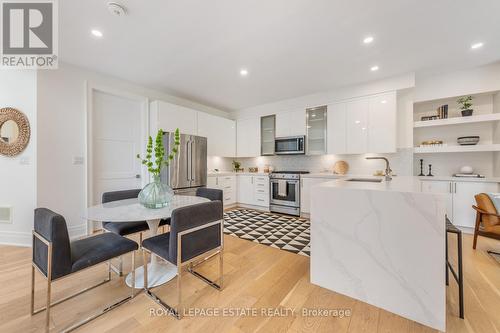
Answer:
(456, 149)
(458, 120)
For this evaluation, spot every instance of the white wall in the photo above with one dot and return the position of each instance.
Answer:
(465, 82)
(62, 136)
(18, 175)
(391, 84)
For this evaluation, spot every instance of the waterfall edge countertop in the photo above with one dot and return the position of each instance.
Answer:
(382, 243)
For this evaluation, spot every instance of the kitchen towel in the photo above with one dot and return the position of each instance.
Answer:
(282, 188)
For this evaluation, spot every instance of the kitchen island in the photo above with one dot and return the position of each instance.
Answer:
(382, 243)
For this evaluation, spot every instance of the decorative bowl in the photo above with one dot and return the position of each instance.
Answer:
(468, 140)
(466, 169)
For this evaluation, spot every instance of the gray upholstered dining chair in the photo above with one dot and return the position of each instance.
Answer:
(56, 257)
(196, 234)
(124, 228)
(210, 193)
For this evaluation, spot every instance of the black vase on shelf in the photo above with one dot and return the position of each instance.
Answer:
(430, 171)
(421, 168)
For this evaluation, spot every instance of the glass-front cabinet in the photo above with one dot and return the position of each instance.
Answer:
(267, 133)
(316, 130)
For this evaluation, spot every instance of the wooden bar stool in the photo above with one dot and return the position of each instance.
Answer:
(450, 228)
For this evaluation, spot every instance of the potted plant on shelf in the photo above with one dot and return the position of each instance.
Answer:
(157, 194)
(236, 166)
(465, 104)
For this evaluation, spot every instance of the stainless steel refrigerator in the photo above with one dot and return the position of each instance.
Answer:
(188, 170)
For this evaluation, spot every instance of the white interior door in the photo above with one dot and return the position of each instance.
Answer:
(117, 132)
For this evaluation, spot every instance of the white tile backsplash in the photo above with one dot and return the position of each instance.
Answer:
(401, 162)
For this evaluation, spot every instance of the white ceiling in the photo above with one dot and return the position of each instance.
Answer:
(195, 49)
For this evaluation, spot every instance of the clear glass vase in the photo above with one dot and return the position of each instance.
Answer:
(156, 194)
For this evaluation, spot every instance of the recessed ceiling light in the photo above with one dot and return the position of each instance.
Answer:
(374, 68)
(383, 102)
(96, 33)
(368, 40)
(244, 72)
(476, 45)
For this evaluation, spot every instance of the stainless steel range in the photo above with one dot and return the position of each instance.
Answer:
(284, 192)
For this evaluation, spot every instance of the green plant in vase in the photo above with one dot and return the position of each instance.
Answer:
(465, 104)
(236, 166)
(157, 194)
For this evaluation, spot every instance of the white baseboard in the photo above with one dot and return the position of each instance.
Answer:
(16, 238)
(261, 208)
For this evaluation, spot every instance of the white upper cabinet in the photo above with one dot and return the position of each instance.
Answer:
(363, 125)
(248, 137)
(220, 133)
(170, 116)
(382, 132)
(336, 129)
(357, 126)
(291, 123)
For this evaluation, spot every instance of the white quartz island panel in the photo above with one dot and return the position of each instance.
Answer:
(383, 244)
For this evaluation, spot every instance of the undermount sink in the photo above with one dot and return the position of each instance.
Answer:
(367, 180)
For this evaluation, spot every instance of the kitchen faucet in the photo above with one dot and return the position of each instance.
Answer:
(388, 171)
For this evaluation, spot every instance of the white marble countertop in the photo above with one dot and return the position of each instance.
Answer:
(397, 184)
(331, 175)
(382, 243)
(232, 173)
(463, 179)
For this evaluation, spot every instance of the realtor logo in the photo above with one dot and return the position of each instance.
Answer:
(29, 34)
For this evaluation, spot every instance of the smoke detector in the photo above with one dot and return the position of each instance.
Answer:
(116, 9)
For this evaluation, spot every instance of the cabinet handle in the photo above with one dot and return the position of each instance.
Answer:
(450, 188)
(455, 187)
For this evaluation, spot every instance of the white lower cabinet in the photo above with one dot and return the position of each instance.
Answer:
(228, 186)
(461, 198)
(305, 192)
(253, 190)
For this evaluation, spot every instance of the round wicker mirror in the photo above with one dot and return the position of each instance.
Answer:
(14, 132)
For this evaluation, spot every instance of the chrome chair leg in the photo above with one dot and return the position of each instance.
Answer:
(133, 274)
(204, 278)
(179, 292)
(32, 306)
(145, 265)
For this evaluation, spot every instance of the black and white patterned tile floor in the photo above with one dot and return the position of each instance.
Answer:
(279, 231)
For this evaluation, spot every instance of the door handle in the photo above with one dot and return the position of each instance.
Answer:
(138, 176)
(193, 147)
(188, 156)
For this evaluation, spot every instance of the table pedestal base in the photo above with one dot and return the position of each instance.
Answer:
(159, 272)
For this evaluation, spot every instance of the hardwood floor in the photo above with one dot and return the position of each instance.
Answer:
(256, 276)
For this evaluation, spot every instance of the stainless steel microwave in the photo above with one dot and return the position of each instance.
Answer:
(291, 145)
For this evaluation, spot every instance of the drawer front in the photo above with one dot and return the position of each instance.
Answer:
(229, 198)
(261, 185)
(264, 190)
(261, 199)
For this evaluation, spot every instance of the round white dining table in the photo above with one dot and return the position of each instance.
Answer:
(159, 271)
